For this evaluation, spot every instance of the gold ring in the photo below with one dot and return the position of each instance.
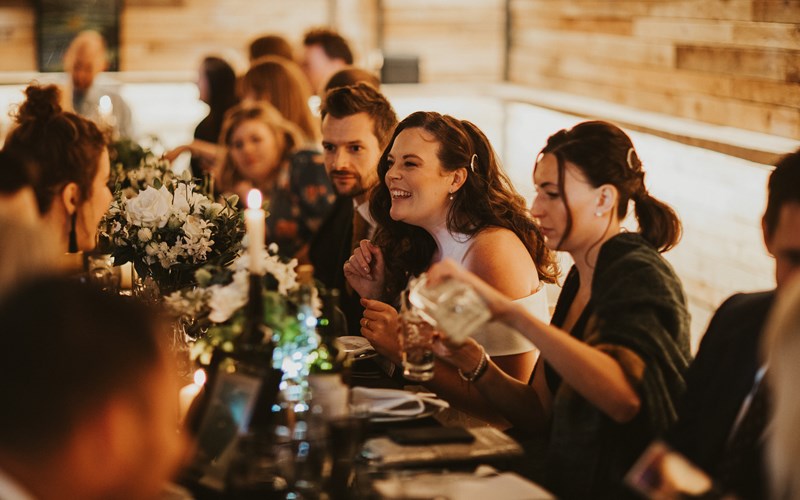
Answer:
(366, 323)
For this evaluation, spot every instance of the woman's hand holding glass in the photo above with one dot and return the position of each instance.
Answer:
(365, 270)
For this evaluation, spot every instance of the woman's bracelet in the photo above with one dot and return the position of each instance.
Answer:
(473, 376)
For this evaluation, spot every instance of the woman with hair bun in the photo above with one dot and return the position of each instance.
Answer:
(70, 152)
(443, 194)
(617, 348)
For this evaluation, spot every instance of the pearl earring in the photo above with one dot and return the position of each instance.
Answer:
(598, 214)
(451, 196)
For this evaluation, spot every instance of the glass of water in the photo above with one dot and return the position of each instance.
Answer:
(416, 341)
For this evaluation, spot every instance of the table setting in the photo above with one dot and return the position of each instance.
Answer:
(280, 401)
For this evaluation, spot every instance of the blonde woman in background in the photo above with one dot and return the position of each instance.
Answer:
(263, 153)
(782, 349)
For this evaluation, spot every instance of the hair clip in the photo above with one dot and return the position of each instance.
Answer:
(472, 162)
(630, 159)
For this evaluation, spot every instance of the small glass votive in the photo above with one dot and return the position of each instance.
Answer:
(101, 271)
(416, 342)
(452, 306)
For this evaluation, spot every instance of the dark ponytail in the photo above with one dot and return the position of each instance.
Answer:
(658, 222)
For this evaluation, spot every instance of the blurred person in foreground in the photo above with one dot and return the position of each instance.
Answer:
(90, 407)
(723, 415)
(357, 123)
(84, 59)
(324, 53)
(781, 349)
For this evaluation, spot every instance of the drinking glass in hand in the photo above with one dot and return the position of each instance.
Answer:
(416, 340)
(452, 306)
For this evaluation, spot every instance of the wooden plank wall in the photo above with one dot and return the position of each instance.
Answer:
(456, 40)
(725, 62)
(17, 36)
(173, 35)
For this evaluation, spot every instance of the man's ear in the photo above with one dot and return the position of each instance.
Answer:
(69, 197)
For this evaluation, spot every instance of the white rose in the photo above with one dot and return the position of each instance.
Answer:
(150, 208)
(144, 235)
(194, 228)
(226, 300)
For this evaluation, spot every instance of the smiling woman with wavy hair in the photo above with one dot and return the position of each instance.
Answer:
(442, 194)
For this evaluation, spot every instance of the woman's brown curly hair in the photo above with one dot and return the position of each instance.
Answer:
(487, 199)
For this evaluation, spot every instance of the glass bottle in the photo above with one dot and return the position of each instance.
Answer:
(330, 365)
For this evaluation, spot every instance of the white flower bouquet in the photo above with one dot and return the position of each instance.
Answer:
(168, 231)
(214, 310)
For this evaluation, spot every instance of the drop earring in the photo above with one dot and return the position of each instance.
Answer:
(73, 236)
(451, 196)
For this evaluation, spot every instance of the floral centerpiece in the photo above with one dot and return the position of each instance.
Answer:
(135, 167)
(168, 230)
(215, 310)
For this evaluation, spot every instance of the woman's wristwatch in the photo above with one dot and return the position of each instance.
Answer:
(478, 372)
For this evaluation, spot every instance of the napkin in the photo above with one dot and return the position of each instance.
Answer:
(393, 402)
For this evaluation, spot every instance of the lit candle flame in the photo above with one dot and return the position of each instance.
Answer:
(254, 199)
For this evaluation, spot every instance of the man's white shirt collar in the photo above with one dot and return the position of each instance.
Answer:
(363, 211)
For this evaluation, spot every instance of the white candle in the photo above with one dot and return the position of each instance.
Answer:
(255, 222)
(105, 107)
(189, 393)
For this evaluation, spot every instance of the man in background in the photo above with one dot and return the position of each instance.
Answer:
(269, 45)
(722, 420)
(89, 395)
(84, 59)
(324, 53)
(357, 123)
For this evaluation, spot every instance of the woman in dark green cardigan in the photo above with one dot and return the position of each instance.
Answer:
(617, 348)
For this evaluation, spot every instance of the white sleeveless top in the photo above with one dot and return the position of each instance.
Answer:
(497, 338)
(500, 339)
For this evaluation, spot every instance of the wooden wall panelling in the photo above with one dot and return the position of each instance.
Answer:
(780, 65)
(455, 40)
(731, 10)
(17, 38)
(726, 62)
(778, 11)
